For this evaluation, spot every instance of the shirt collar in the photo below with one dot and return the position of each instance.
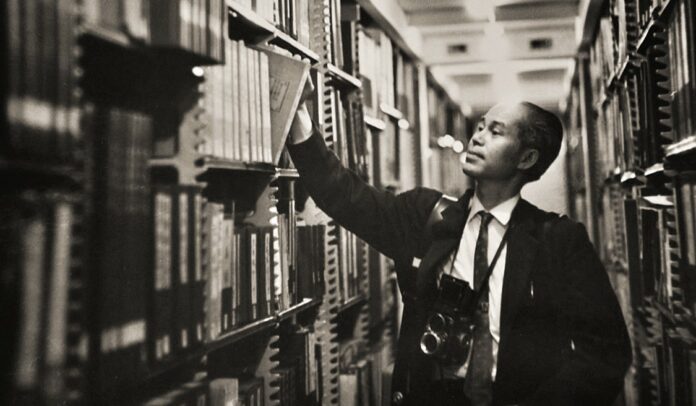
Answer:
(501, 212)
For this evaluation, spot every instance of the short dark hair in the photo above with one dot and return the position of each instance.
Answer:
(543, 131)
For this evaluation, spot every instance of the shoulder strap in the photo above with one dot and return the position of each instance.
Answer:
(436, 214)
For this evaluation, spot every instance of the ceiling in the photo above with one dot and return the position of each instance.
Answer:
(498, 50)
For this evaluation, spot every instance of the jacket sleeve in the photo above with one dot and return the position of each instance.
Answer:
(600, 350)
(392, 224)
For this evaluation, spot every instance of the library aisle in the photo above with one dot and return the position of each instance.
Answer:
(158, 246)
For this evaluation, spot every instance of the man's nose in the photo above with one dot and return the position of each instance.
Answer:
(477, 138)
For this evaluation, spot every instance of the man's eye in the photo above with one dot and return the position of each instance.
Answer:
(480, 127)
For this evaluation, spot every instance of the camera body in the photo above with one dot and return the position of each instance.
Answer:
(448, 334)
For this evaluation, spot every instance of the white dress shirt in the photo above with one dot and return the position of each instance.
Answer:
(464, 262)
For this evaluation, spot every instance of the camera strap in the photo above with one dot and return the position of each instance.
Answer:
(491, 266)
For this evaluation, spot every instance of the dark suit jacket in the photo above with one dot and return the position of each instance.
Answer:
(563, 339)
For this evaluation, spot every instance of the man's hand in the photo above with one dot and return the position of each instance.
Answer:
(301, 128)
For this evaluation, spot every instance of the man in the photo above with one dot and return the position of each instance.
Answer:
(547, 326)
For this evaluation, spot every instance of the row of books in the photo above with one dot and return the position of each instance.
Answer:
(250, 103)
(248, 391)
(685, 201)
(290, 16)
(350, 131)
(241, 279)
(365, 375)
(603, 58)
(178, 288)
(646, 9)
(613, 123)
(36, 233)
(648, 231)
(353, 265)
(659, 97)
(299, 379)
(205, 275)
(376, 55)
(237, 98)
(383, 287)
(665, 366)
(685, 193)
(406, 79)
(681, 35)
(42, 115)
(300, 366)
(195, 26)
(308, 276)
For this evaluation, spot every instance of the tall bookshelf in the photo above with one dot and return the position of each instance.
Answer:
(631, 159)
(158, 245)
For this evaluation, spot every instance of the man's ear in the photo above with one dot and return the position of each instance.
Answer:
(529, 157)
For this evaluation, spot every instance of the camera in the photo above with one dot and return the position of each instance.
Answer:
(449, 329)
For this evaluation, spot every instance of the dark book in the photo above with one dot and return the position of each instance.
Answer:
(123, 239)
(245, 285)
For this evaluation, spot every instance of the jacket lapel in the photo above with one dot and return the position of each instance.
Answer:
(521, 251)
(446, 236)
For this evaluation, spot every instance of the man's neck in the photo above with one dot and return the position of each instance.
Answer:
(491, 194)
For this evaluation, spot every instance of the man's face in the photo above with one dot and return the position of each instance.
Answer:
(495, 150)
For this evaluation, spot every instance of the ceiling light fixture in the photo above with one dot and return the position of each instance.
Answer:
(480, 9)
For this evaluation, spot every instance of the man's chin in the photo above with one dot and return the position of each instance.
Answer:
(469, 171)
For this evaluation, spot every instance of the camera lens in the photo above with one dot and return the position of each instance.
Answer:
(430, 343)
(437, 322)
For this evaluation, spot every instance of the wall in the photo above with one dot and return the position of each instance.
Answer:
(549, 192)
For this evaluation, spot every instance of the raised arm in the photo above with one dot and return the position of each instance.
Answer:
(392, 224)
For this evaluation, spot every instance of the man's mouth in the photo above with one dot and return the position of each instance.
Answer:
(477, 155)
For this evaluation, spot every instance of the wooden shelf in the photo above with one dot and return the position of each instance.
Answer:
(659, 18)
(659, 200)
(656, 169)
(375, 123)
(108, 35)
(214, 163)
(283, 40)
(301, 307)
(258, 326)
(246, 24)
(631, 178)
(48, 171)
(391, 111)
(343, 79)
(287, 173)
(684, 147)
(353, 302)
(620, 73)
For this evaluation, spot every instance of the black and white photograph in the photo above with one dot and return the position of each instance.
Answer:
(348, 202)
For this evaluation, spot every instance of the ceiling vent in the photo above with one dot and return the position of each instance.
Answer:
(457, 49)
(540, 43)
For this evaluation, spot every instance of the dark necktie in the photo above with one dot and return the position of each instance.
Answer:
(478, 384)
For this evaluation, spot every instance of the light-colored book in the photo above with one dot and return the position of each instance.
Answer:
(288, 76)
